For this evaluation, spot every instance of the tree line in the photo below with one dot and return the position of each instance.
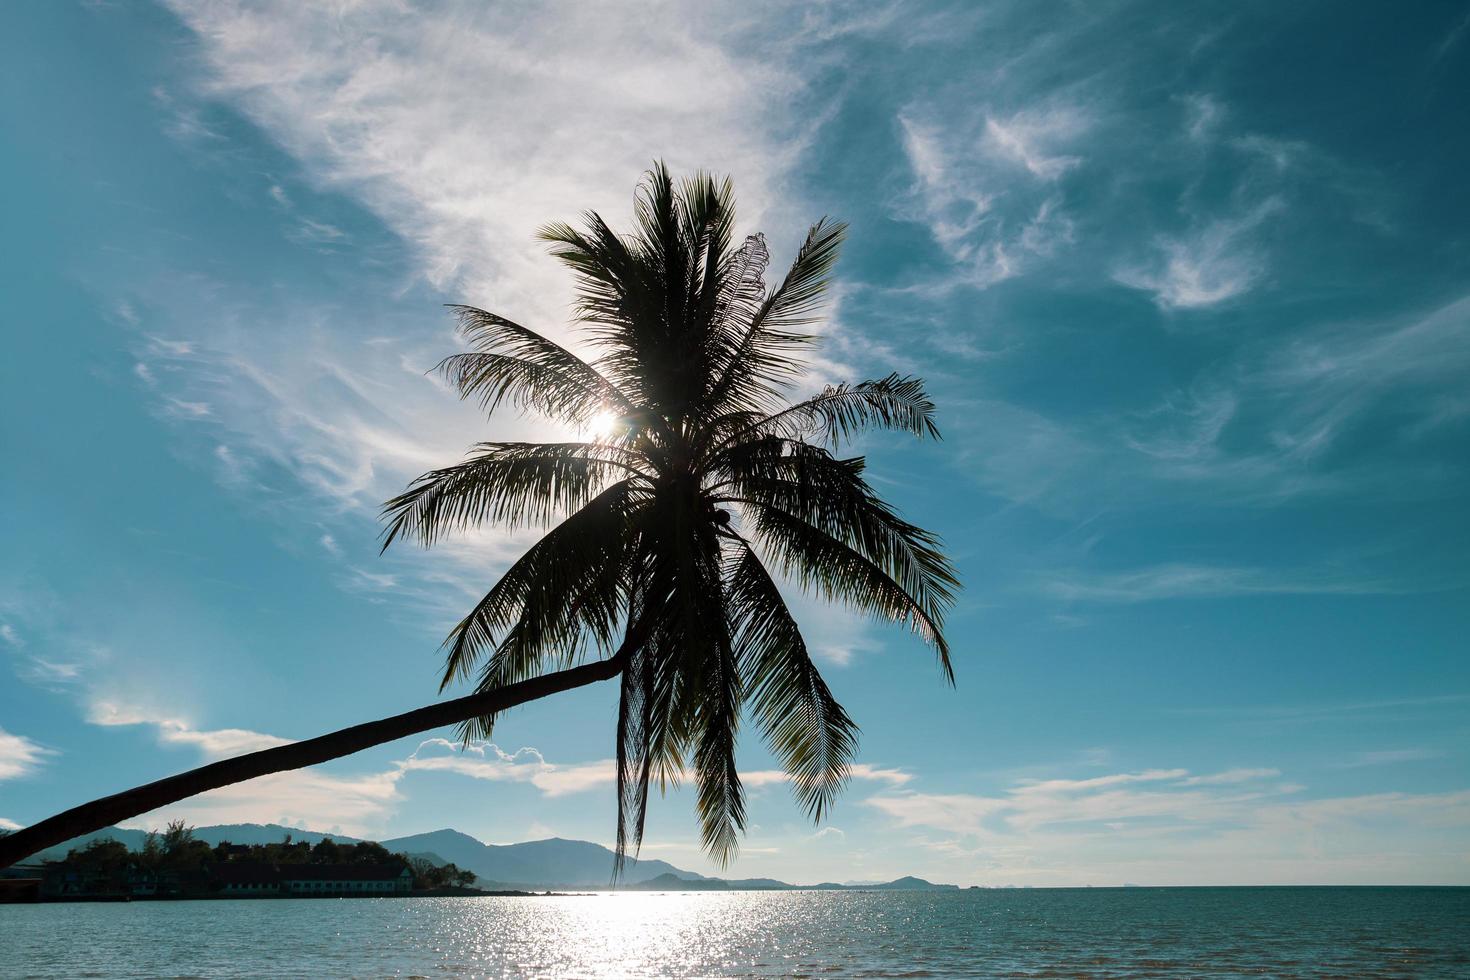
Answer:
(176, 849)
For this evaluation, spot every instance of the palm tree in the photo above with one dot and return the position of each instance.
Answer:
(698, 488)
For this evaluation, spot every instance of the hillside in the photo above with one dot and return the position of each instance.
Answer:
(554, 863)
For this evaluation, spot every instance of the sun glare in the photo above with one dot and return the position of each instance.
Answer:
(602, 426)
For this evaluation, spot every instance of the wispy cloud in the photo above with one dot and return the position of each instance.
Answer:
(44, 671)
(360, 114)
(1330, 377)
(220, 743)
(1348, 710)
(1032, 138)
(309, 798)
(1207, 265)
(1183, 581)
(1175, 827)
(984, 187)
(19, 756)
(1259, 427)
(356, 804)
(1388, 757)
(486, 760)
(1232, 776)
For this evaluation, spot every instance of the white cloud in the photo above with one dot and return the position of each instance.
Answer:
(1331, 376)
(312, 798)
(858, 771)
(1231, 776)
(220, 743)
(187, 409)
(9, 824)
(895, 777)
(308, 798)
(1204, 114)
(47, 671)
(1258, 428)
(19, 756)
(1385, 757)
(39, 670)
(1171, 827)
(1186, 429)
(311, 232)
(1030, 136)
(966, 187)
(570, 104)
(486, 760)
(1186, 581)
(1215, 262)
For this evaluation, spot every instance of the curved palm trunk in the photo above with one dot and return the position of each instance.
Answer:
(141, 799)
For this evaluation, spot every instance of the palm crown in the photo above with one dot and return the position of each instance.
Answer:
(666, 529)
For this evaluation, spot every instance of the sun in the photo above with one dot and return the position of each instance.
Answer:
(602, 426)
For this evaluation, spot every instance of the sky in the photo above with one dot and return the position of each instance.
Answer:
(1190, 286)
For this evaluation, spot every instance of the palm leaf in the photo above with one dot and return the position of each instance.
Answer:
(807, 730)
(510, 483)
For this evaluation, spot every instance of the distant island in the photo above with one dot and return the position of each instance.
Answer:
(240, 860)
(176, 864)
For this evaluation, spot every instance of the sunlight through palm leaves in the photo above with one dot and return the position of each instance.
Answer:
(699, 475)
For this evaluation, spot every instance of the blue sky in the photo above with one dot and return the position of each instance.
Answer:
(1192, 291)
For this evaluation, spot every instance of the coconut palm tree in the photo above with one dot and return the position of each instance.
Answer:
(695, 489)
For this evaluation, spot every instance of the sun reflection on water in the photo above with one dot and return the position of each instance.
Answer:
(1233, 933)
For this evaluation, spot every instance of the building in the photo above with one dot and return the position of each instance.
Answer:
(346, 879)
(21, 883)
(244, 879)
(70, 881)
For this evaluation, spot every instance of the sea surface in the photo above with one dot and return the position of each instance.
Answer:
(1131, 932)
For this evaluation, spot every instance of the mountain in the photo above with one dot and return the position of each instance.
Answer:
(235, 833)
(911, 884)
(757, 884)
(669, 882)
(554, 862)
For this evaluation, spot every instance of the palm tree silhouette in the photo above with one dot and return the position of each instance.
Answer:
(697, 482)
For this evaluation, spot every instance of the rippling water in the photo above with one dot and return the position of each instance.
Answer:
(1143, 932)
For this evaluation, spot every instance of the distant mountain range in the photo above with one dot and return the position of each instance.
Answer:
(552, 864)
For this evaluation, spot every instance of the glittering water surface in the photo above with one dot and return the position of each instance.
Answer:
(1142, 932)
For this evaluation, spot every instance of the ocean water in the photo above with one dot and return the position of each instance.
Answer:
(1134, 932)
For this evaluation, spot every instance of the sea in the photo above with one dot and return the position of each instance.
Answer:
(1088, 932)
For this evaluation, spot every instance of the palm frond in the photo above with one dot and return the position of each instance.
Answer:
(715, 689)
(839, 573)
(511, 362)
(808, 483)
(840, 411)
(648, 748)
(510, 483)
(807, 730)
(564, 587)
(762, 363)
